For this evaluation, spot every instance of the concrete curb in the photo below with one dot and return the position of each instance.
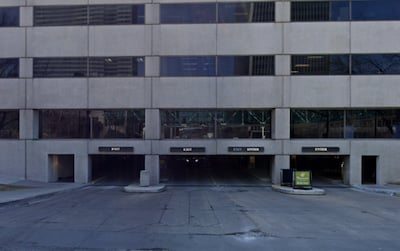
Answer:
(290, 190)
(144, 189)
(387, 191)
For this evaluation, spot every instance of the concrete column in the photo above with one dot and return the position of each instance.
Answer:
(281, 123)
(152, 164)
(152, 13)
(279, 162)
(152, 124)
(355, 170)
(282, 65)
(152, 66)
(82, 169)
(26, 17)
(346, 171)
(29, 124)
(282, 11)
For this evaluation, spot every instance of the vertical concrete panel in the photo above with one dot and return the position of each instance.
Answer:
(279, 162)
(355, 169)
(152, 127)
(152, 164)
(81, 168)
(281, 123)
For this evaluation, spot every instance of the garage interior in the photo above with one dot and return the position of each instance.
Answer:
(215, 170)
(119, 170)
(326, 169)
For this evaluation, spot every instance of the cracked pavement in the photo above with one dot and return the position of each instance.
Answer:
(202, 218)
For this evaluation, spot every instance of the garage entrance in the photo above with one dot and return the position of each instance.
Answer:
(119, 170)
(215, 170)
(326, 170)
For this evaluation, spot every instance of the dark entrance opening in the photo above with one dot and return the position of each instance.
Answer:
(215, 170)
(325, 169)
(368, 166)
(117, 170)
(61, 168)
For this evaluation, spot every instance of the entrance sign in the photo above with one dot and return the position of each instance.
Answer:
(301, 179)
(115, 149)
(320, 149)
(187, 149)
(241, 149)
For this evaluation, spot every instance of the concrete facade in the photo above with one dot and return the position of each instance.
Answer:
(28, 157)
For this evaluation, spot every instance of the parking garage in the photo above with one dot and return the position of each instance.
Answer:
(215, 170)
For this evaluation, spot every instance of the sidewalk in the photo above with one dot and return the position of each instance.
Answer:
(393, 190)
(26, 189)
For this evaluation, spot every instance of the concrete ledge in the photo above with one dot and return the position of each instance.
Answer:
(290, 190)
(133, 188)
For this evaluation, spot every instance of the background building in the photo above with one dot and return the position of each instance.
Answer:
(94, 89)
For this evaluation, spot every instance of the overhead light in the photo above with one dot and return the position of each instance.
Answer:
(302, 65)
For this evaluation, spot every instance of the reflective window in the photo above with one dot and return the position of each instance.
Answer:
(188, 124)
(320, 65)
(9, 124)
(375, 64)
(373, 124)
(245, 65)
(375, 10)
(60, 15)
(116, 66)
(246, 12)
(188, 66)
(9, 67)
(116, 14)
(316, 123)
(59, 67)
(320, 11)
(117, 124)
(244, 124)
(9, 16)
(63, 124)
(188, 13)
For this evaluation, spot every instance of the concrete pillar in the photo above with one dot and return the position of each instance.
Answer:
(29, 124)
(279, 162)
(82, 168)
(355, 177)
(282, 11)
(152, 165)
(281, 123)
(346, 171)
(152, 124)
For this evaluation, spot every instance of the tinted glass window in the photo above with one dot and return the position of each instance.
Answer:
(9, 124)
(375, 10)
(375, 64)
(63, 124)
(9, 16)
(245, 65)
(316, 124)
(60, 15)
(246, 12)
(244, 124)
(188, 66)
(9, 67)
(187, 124)
(117, 124)
(320, 65)
(116, 14)
(116, 66)
(320, 11)
(59, 67)
(188, 13)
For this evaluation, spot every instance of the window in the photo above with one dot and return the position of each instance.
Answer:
(316, 124)
(9, 124)
(59, 67)
(189, 124)
(188, 13)
(306, 11)
(116, 14)
(116, 66)
(246, 12)
(375, 64)
(9, 67)
(245, 65)
(9, 16)
(117, 123)
(320, 65)
(60, 15)
(244, 124)
(373, 124)
(65, 124)
(188, 66)
(375, 10)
